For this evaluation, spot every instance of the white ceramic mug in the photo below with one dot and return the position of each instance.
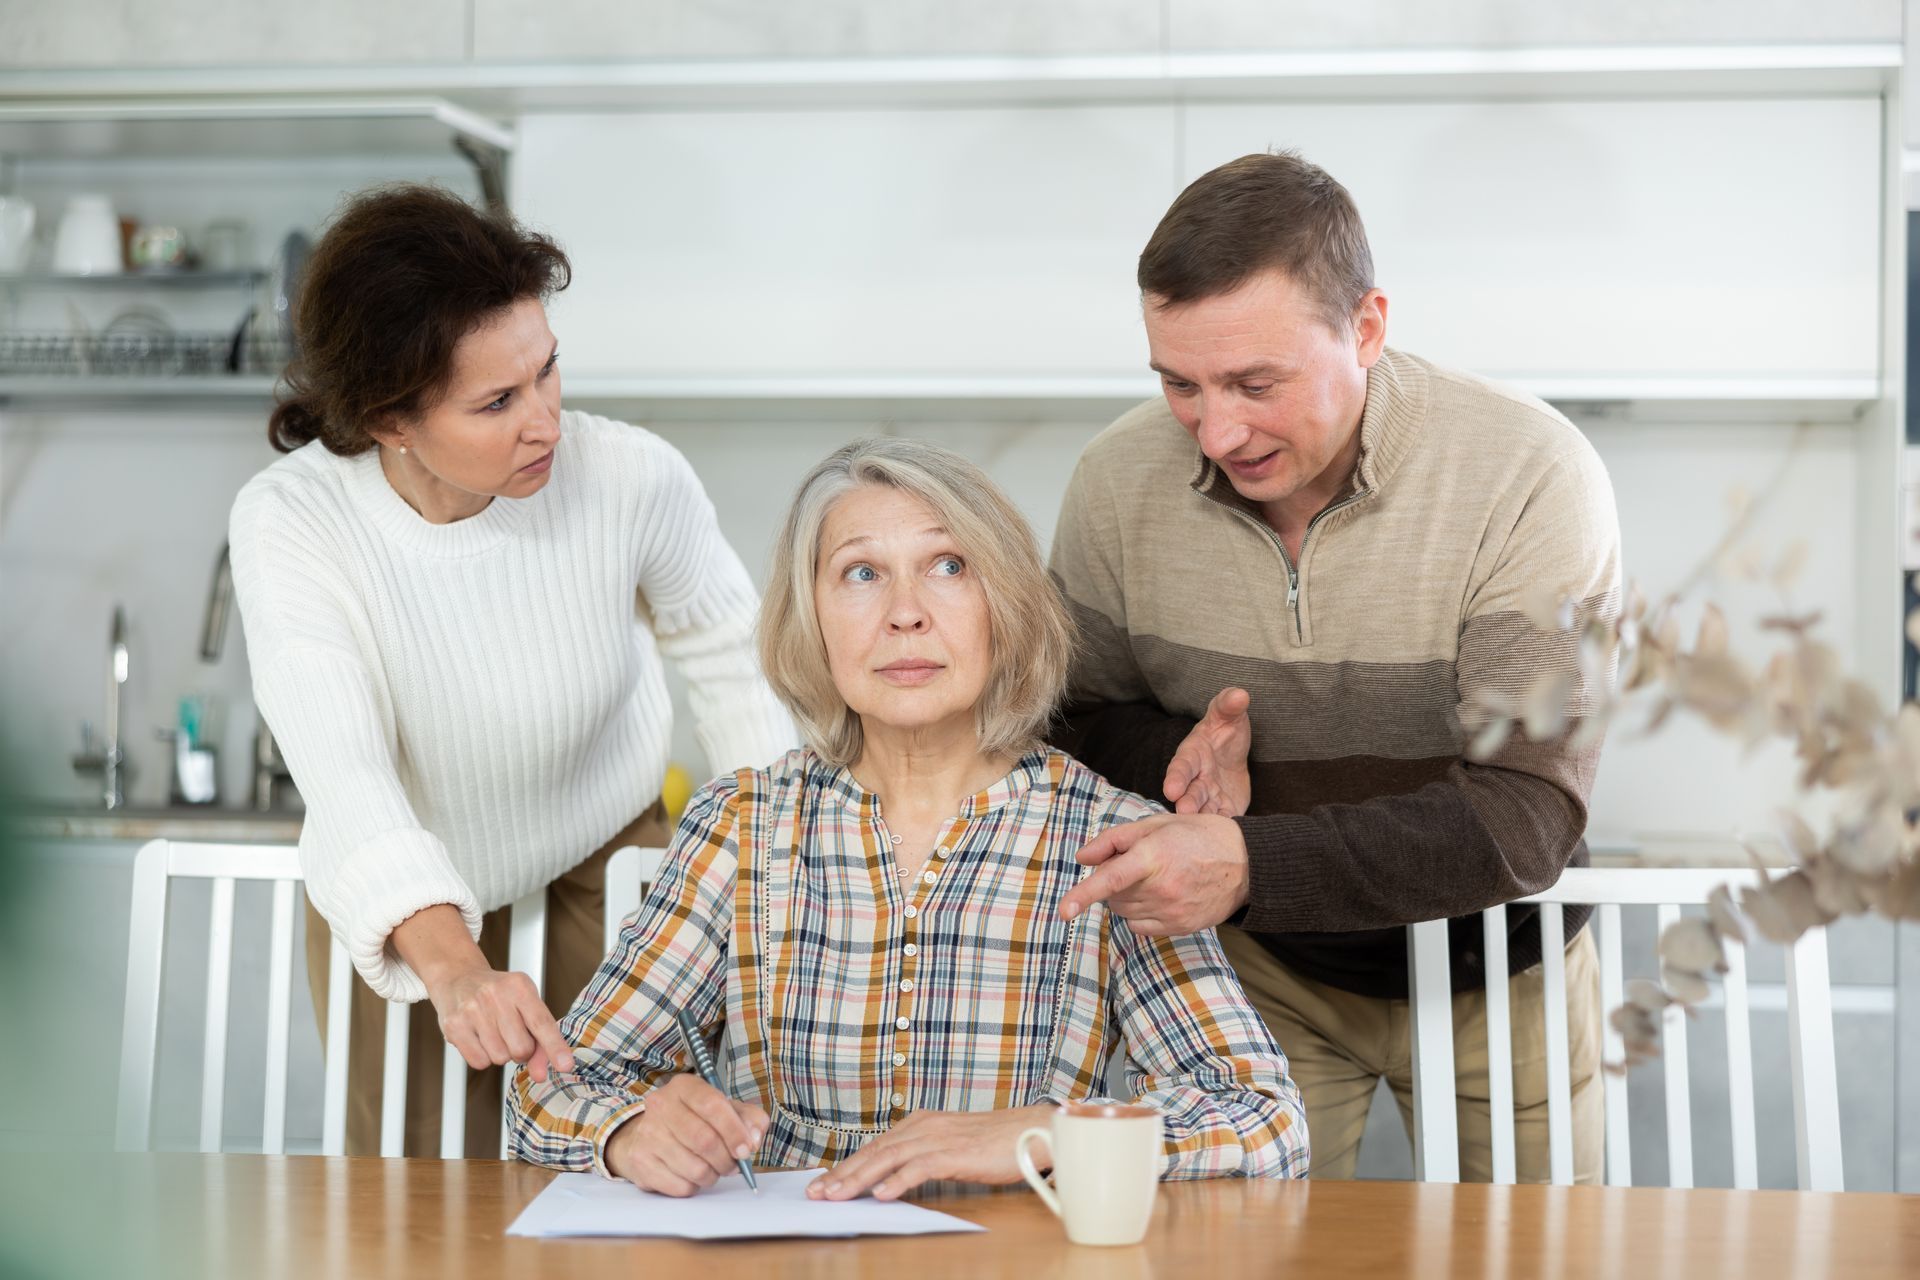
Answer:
(1106, 1170)
(88, 240)
(16, 234)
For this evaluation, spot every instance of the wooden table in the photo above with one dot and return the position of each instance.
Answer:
(307, 1216)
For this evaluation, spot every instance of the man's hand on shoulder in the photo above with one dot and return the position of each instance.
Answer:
(1209, 770)
(1168, 875)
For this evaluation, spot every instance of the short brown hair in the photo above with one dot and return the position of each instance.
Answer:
(1258, 213)
(402, 275)
(1032, 636)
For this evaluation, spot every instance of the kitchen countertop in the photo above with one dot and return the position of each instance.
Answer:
(215, 825)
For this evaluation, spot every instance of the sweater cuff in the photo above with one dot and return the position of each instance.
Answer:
(1284, 877)
(379, 885)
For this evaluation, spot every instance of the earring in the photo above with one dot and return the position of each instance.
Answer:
(403, 448)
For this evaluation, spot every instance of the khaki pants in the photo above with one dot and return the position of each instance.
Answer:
(1340, 1045)
(576, 943)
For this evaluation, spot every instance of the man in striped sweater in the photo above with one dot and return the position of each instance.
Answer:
(1302, 577)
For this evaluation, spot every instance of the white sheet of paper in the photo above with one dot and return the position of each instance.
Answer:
(584, 1204)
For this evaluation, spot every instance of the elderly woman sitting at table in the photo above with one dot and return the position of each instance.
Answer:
(871, 922)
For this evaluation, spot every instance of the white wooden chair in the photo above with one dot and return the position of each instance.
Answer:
(159, 862)
(1816, 1108)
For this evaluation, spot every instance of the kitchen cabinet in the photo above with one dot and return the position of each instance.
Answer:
(509, 30)
(200, 33)
(1614, 243)
(899, 249)
(1396, 24)
(1587, 251)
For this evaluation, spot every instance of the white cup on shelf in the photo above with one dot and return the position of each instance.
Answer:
(16, 234)
(88, 240)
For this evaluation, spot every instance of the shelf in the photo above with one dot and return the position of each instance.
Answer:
(271, 125)
(1543, 72)
(138, 280)
(244, 390)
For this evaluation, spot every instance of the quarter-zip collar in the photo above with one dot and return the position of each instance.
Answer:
(1396, 406)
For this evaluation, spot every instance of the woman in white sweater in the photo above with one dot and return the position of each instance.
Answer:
(457, 598)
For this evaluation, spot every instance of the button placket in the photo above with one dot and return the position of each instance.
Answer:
(909, 973)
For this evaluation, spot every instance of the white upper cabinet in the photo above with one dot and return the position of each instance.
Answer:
(513, 30)
(1401, 24)
(849, 244)
(1712, 240)
(112, 34)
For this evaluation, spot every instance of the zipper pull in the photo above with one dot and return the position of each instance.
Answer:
(1293, 591)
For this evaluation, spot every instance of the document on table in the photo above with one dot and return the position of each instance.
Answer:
(584, 1204)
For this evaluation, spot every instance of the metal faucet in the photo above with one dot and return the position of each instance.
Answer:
(109, 758)
(213, 627)
(269, 770)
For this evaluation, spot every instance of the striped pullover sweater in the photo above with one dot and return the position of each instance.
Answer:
(470, 709)
(1368, 662)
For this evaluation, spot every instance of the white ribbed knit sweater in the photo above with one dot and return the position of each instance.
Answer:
(471, 709)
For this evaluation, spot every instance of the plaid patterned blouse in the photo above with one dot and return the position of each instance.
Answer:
(849, 998)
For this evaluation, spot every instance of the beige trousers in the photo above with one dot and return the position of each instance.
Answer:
(1340, 1045)
(576, 943)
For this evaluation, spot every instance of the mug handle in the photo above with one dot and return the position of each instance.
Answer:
(1031, 1174)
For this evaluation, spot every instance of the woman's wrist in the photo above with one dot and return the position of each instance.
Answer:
(436, 945)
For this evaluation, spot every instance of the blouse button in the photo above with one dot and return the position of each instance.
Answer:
(931, 876)
(906, 984)
(941, 852)
(902, 1023)
(899, 1099)
(912, 912)
(899, 1059)
(910, 949)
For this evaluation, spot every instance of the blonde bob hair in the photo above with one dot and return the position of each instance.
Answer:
(1031, 634)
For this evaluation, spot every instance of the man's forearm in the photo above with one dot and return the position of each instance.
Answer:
(1129, 743)
(1449, 849)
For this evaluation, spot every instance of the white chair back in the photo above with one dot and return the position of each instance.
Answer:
(1816, 1104)
(159, 862)
(155, 866)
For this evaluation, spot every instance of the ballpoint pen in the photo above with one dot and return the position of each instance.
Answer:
(703, 1066)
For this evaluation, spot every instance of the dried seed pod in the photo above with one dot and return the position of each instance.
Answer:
(1783, 909)
(1712, 640)
(1691, 944)
(1687, 987)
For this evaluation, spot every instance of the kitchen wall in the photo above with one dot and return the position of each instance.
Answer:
(128, 503)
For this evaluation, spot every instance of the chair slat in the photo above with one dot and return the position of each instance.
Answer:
(1499, 1043)
(1553, 983)
(213, 1065)
(340, 980)
(1612, 996)
(1436, 1134)
(273, 1120)
(623, 892)
(526, 953)
(140, 1020)
(1816, 1088)
(1673, 1056)
(393, 1084)
(1746, 1164)
(453, 1105)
